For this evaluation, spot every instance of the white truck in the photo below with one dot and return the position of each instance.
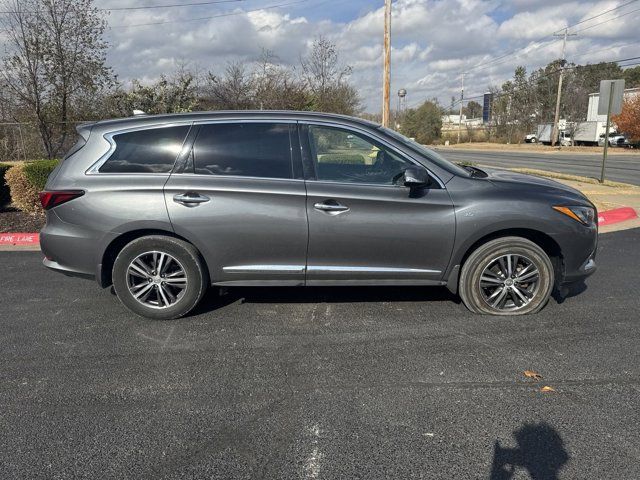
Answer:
(569, 133)
(544, 133)
(588, 133)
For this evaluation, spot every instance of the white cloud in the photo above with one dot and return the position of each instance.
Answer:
(433, 41)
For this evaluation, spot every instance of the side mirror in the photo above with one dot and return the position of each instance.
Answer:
(415, 177)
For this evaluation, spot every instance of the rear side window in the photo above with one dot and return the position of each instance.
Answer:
(146, 151)
(244, 149)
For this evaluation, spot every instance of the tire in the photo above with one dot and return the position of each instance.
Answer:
(485, 262)
(533, 140)
(170, 293)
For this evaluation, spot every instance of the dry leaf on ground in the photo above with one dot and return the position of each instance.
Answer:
(547, 388)
(532, 374)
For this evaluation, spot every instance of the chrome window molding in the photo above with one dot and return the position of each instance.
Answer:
(237, 177)
(94, 169)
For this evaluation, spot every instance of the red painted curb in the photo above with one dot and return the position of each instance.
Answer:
(616, 215)
(19, 238)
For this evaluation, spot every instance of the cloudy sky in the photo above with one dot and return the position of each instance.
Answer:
(432, 40)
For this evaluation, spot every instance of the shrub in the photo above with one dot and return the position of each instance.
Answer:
(5, 196)
(38, 172)
(342, 159)
(26, 181)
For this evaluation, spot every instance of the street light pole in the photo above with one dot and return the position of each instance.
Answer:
(386, 79)
(554, 130)
(461, 99)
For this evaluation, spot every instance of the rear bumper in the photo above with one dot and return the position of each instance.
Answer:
(56, 267)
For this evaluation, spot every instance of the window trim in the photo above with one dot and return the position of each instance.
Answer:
(312, 176)
(295, 160)
(94, 169)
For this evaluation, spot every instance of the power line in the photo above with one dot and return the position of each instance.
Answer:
(147, 7)
(599, 15)
(227, 14)
(591, 52)
(609, 20)
(544, 38)
(532, 81)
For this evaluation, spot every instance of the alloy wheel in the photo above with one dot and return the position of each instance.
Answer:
(156, 279)
(509, 282)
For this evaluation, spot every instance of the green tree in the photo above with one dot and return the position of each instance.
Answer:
(175, 94)
(423, 123)
(473, 110)
(631, 77)
(55, 57)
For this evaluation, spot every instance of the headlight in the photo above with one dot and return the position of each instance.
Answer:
(584, 215)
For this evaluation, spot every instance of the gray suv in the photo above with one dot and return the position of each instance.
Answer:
(162, 207)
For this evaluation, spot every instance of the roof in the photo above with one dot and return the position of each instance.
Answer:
(140, 120)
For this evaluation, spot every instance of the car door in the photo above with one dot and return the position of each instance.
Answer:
(364, 227)
(238, 194)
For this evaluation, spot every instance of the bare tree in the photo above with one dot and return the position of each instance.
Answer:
(55, 53)
(326, 78)
(231, 91)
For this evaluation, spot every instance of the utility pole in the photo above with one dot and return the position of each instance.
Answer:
(386, 79)
(554, 130)
(461, 99)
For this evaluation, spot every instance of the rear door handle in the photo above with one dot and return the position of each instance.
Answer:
(190, 198)
(330, 207)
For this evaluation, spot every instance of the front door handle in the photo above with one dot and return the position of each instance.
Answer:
(331, 206)
(190, 198)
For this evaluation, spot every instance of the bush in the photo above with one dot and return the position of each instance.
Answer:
(38, 172)
(342, 159)
(26, 181)
(5, 196)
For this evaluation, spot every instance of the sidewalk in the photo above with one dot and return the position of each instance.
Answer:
(605, 197)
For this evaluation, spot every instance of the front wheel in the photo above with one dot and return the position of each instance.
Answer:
(159, 277)
(507, 276)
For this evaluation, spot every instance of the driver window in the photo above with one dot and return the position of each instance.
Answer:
(346, 156)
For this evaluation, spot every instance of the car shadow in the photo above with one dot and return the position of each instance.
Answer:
(344, 294)
(560, 294)
(540, 452)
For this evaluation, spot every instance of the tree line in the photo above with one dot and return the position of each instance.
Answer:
(526, 100)
(55, 74)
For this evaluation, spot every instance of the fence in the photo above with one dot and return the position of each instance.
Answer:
(22, 141)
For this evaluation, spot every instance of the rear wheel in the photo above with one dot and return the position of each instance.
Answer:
(159, 277)
(507, 276)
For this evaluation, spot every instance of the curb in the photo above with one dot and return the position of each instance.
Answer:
(19, 239)
(616, 215)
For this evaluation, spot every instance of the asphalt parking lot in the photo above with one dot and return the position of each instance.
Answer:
(319, 383)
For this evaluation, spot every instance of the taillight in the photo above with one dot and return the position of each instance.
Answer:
(53, 199)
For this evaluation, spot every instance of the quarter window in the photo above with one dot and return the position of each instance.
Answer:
(346, 156)
(146, 151)
(244, 149)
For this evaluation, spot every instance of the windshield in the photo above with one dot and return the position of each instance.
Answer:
(426, 152)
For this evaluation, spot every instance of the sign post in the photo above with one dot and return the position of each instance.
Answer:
(611, 93)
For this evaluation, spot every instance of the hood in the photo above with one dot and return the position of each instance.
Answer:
(509, 178)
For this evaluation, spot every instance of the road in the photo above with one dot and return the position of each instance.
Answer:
(620, 168)
(319, 383)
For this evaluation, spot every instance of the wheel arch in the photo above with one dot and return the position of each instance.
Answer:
(543, 240)
(104, 269)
